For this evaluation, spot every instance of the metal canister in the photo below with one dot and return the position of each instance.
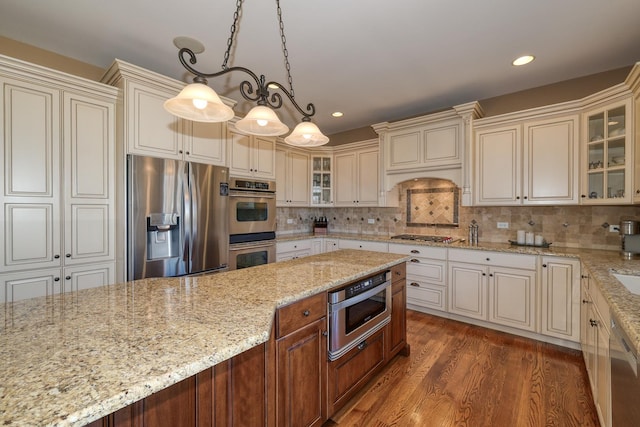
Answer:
(628, 227)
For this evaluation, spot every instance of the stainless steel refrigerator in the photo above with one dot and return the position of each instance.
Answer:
(177, 219)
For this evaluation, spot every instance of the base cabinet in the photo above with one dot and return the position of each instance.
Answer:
(560, 296)
(594, 340)
(232, 393)
(301, 363)
(351, 371)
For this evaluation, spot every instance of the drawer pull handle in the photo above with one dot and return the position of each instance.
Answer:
(584, 301)
(325, 333)
(488, 259)
(415, 251)
(417, 285)
(306, 313)
(362, 345)
(415, 260)
(398, 273)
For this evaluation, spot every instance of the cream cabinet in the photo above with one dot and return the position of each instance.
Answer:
(426, 276)
(294, 249)
(532, 162)
(330, 245)
(607, 154)
(356, 178)
(251, 156)
(363, 245)
(596, 321)
(321, 180)
(492, 286)
(48, 282)
(560, 298)
(292, 177)
(58, 176)
(150, 130)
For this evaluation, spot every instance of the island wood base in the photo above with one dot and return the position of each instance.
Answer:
(287, 381)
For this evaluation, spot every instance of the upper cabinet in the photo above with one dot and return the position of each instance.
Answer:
(252, 156)
(321, 179)
(150, 130)
(292, 177)
(530, 162)
(356, 177)
(607, 154)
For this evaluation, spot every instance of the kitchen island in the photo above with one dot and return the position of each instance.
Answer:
(73, 358)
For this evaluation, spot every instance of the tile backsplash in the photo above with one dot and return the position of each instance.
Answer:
(564, 226)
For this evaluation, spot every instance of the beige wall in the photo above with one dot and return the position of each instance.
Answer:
(35, 55)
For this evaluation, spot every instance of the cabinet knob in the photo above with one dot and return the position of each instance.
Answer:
(544, 265)
(306, 313)
(517, 197)
(525, 197)
(56, 279)
(68, 278)
(415, 260)
(583, 196)
(325, 333)
(584, 276)
(637, 191)
(56, 256)
(417, 285)
(362, 345)
(593, 322)
(398, 273)
(68, 255)
(584, 301)
(484, 274)
(415, 251)
(179, 151)
(490, 274)
(488, 259)
(187, 153)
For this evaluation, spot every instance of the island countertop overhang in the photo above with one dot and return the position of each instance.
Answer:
(72, 358)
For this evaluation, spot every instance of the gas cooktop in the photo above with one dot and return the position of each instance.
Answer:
(422, 238)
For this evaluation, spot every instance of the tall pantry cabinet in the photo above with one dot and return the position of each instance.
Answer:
(57, 214)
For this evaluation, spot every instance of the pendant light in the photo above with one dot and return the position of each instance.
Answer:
(198, 102)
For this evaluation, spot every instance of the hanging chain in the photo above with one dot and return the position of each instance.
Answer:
(285, 52)
(232, 36)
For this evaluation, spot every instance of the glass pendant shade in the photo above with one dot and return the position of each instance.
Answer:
(306, 134)
(262, 121)
(200, 103)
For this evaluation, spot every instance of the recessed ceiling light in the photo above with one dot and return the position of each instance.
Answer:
(523, 60)
(337, 114)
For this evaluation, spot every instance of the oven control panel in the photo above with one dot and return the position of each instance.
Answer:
(364, 285)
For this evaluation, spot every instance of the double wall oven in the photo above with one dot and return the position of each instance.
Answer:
(252, 222)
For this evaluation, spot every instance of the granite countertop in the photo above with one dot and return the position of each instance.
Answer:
(73, 358)
(600, 263)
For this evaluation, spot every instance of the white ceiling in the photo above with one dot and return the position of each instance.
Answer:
(375, 60)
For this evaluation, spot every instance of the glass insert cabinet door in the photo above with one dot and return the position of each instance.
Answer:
(321, 187)
(607, 155)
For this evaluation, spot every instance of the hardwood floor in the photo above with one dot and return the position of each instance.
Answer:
(463, 375)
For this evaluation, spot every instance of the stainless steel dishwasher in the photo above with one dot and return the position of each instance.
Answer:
(625, 383)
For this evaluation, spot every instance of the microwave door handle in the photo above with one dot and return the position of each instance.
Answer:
(261, 245)
(253, 195)
(359, 298)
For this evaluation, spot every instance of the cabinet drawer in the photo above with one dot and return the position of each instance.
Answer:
(351, 371)
(430, 270)
(365, 246)
(293, 245)
(418, 251)
(527, 262)
(299, 314)
(426, 294)
(398, 272)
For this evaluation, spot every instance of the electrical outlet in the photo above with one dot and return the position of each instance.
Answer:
(503, 225)
(289, 220)
(371, 221)
(614, 228)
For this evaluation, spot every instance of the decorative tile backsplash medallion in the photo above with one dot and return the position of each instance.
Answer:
(564, 226)
(432, 206)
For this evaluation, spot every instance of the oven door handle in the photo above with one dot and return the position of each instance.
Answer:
(253, 194)
(251, 246)
(358, 298)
